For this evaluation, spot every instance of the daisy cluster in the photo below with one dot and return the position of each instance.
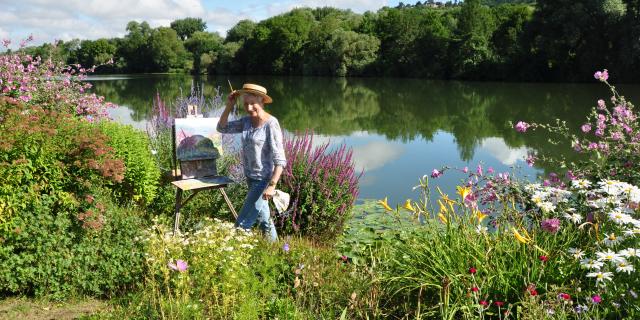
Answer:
(610, 205)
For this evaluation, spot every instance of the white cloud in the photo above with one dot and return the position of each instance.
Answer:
(376, 154)
(49, 20)
(497, 148)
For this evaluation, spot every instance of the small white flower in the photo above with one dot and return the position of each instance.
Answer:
(612, 240)
(632, 232)
(573, 217)
(620, 218)
(547, 206)
(581, 183)
(600, 276)
(630, 252)
(610, 256)
(591, 264)
(538, 198)
(480, 229)
(576, 253)
(154, 152)
(624, 267)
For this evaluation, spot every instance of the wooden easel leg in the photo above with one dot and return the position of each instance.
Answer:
(176, 224)
(226, 199)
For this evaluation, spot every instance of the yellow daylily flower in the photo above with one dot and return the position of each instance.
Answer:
(442, 217)
(479, 215)
(463, 191)
(384, 204)
(443, 207)
(408, 206)
(519, 237)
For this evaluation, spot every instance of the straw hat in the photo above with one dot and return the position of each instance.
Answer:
(257, 90)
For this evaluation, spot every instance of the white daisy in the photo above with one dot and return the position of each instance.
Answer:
(630, 252)
(600, 276)
(532, 187)
(539, 197)
(573, 217)
(632, 232)
(480, 229)
(620, 218)
(612, 240)
(624, 267)
(610, 256)
(576, 253)
(581, 183)
(591, 264)
(547, 206)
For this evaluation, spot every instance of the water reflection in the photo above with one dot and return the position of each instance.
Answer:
(399, 129)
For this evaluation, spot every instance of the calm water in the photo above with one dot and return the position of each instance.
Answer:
(399, 129)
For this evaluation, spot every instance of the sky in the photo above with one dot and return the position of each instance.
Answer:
(49, 20)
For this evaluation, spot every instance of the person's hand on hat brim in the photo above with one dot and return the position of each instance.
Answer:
(232, 98)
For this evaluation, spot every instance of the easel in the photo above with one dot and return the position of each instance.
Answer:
(197, 172)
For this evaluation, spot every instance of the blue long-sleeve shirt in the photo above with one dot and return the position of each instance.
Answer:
(262, 147)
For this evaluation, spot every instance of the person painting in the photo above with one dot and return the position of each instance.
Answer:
(262, 155)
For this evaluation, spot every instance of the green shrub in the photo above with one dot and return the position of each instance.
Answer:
(49, 153)
(61, 250)
(142, 174)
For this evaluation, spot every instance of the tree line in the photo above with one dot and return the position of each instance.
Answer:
(549, 40)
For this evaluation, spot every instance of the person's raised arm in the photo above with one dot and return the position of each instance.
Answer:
(224, 124)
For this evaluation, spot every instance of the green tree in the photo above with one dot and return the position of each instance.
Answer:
(93, 53)
(200, 43)
(135, 49)
(167, 51)
(351, 52)
(186, 27)
(472, 49)
(241, 31)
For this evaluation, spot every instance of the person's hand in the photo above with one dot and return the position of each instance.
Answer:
(269, 192)
(231, 99)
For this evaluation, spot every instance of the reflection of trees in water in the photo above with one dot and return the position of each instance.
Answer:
(403, 109)
(138, 92)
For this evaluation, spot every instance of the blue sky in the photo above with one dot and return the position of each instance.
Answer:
(49, 20)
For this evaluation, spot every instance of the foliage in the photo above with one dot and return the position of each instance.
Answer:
(226, 273)
(187, 27)
(323, 186)
(141, 175)
(61, 246)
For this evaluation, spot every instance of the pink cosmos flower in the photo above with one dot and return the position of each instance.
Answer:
(522, 126)
(435, 173)
(596, 299)
(179, 265)
(531, 159)
(586, 127)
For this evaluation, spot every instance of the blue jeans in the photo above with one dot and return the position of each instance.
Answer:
(255, 208)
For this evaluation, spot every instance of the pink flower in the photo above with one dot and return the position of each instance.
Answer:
(479, 170)
(473, 270)
(465, 170)
(531, 159)
(474, 289)
(586, 127)
(522, 126)
(179, 265)
(490, 170)
(543, 258)
(601, 104)
(435, 173)
(484, 303)
(6, 43)
(499, 304)
(285, 247)
(596, 299)
(550, 225)
(601, 75)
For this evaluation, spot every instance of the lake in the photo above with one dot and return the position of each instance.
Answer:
(399, 129)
